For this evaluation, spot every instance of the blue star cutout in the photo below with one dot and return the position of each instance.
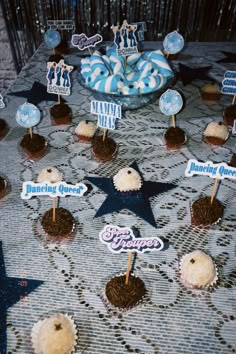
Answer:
(188, 74)
(37, 94)
(138, 203)
(12, 290)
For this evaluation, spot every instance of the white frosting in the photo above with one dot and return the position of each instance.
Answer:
(197, 269)
(54, 335)
(127, 179)
(50, 174)
(217, 130)
(86, 129)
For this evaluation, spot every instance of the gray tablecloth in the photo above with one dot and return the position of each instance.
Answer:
(174, 319)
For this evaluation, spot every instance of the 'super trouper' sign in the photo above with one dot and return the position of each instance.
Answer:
(81, 41)
(122, 239)
(219, 170)
(60, 189)
(229, 83)
(107, 113)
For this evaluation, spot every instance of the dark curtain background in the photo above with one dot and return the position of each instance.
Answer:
(196, 20)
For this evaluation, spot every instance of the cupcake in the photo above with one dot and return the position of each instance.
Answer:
(230, 115)
(204, 213)
(34, 147)
(60, 114)
(85, 131)
(125, 296)
(216, 133)
(127, 180)
(105, 150)
(175, 137)
(210, 92)
(233, 161)
(50, 174)
(3, 187)
(54, 335)
(3, 128)
(198, 270)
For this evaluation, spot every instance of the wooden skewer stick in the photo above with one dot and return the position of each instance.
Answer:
(54, 205)
(128, 268)
(90, 51)
(30, 132)
(104, 135)
(214, 189)
(234, 99)
(58, 99)
(173, 120)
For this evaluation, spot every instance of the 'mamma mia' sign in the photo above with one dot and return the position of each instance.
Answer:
(107, 113)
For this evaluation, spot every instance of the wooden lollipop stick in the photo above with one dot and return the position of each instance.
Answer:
(54, 205)
(104, 134)
(214, 189)
(58, 99)
(90, 51)
(30, 133)
(173, 121)
(128, 268)
(167, 55)
(234, 99)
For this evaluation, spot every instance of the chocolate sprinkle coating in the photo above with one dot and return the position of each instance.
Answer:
(63, 224)
(205, 213)
(2, 184)
(125, 296)
(174, 137)
(34, 144)
(103, 150)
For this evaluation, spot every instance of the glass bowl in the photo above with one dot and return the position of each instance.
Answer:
(127, 101)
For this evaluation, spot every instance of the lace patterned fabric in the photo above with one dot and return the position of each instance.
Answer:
(172, 319)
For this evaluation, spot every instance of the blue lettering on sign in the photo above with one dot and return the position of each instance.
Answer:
(230, 75)
(106, 122)
(106, 108)
(229, 82)
(229, 90)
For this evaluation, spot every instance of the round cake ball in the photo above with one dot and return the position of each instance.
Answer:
(198, 270)
(85, 130)
(54, 335)
(50, 174)
(230, 115)
(210, 92)
(127, 179)
(216, 133)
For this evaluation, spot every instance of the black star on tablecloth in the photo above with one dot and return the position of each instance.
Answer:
(37, 94)
(230, 58)
(12, 290)
(138, 203)
(188, 74)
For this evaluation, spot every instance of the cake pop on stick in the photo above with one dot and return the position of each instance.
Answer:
(34, 145)
(173, 43)
(170, 104)
(128, 268)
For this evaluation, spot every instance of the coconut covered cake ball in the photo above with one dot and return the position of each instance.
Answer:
(127, 179)
(85, 130)
(50, 174)
(216, 133)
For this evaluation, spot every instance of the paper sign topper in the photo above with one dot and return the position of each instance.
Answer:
(2, 104)
(61, 24)
(124, 39)
(141, 28)
(170, 102)
(229, 83)
(81, 41)
(60, 189)
(173, 43)
(217, 170)
(107, 113)
(28, 115)
(122, 239)
(58, 77)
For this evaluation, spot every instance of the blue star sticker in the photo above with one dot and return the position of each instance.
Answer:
(12, 290)
(137, 202)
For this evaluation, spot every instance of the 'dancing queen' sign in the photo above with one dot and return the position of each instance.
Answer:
(122, 239)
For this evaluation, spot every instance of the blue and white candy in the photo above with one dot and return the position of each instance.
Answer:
(109, 84)
(85, 68)
(173, 42)
(128, 87)
(150, 84)
(170, 102)
(159, 59)
(96, 62)
(117, 64)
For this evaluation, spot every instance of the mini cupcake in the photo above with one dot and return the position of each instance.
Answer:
(204, 213)
(104, 151)
(34, 147)
(85, 131)
(127, 180)
(125, 296)
(175, 137)
(216, 133)
(50, 174)
(54, 335)
(60, 114)
(230, 115)
(3, 128)
(198, 270)
(3, 187)
(210, 92)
